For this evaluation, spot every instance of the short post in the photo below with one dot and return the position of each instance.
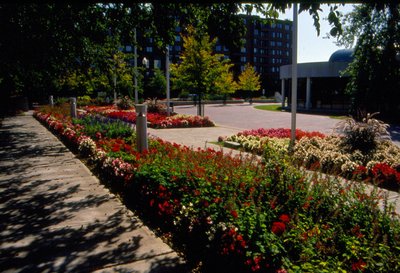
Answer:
(51, 101)
(73, 108)
(141, 127)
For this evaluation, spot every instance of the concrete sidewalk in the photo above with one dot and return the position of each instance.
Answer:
(55, 216)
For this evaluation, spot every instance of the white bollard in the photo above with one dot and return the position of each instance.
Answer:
(73, 108)
(141, 127)
(51, 101)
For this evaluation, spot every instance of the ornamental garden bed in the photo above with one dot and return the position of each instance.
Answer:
(379, 165)
(157, 120)
(241, 214)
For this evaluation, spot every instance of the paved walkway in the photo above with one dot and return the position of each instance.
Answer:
(55, 216)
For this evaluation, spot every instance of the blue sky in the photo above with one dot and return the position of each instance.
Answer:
(313, 48)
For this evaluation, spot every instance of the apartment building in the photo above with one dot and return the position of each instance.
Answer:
(267, 46)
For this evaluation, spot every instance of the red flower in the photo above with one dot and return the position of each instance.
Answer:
(358, 266)
(115, 148)
(278, 228)
(285, 218)
(234, 214)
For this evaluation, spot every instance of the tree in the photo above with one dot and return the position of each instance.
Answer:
(158, 83)
(201, 71)
(249, 80)
(375, 71)
(43, 43)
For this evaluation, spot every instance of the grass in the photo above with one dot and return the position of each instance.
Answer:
(338, 117)
(278, 108)
(270, 107)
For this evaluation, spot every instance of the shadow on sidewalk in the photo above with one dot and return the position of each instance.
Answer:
(40, 219)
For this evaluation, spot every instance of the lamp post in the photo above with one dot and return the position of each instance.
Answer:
(167, 78)
(294, 79)
(115, 87)
(135, 64)
(145, 63)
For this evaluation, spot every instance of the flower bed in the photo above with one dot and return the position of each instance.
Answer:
(316, 151)
(382, 166)
(242, 215)
(156, 120)
(255, 141)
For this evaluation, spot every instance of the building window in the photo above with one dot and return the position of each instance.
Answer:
(150, 40)
(272, 43)
(243, 50)
(279, 35)
(279, 43)
(177, 48)
(287, 53)
(287, 27)
(177, 38)
(279, 25)
(225, 49)
(255, 31)
(255, 50)
(149, 49)
(243, 59)
(273, 52)
(287, 45)
(242, 68)
(288, 36)
(273, 34)
(273, 25)
(255, 59)
(218, 48)
(128, 48)
(157, 63)
(170, 48)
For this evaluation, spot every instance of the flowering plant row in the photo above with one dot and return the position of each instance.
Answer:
(382, 166)
(242, 214)
(316, 151)
(156, 120)
(278, 133)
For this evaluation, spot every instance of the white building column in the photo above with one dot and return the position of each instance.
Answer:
(308, 94)
(283, 92)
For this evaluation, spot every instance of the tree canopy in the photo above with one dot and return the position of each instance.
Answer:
(249, 80)
(374, 84)
(43, 43)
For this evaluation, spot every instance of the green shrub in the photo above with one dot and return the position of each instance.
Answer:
(84, 100)
(125, 103)
(97, 127)
(153, 106)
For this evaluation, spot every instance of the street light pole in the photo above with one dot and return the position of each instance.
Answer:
(135, 65)
(115, 87)
(167, 78)
(294, 78)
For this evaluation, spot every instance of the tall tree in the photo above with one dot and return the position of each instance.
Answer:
(200, 71)
(375, 72)
(249, 80)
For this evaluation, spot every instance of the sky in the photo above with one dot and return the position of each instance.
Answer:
(313, 48)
